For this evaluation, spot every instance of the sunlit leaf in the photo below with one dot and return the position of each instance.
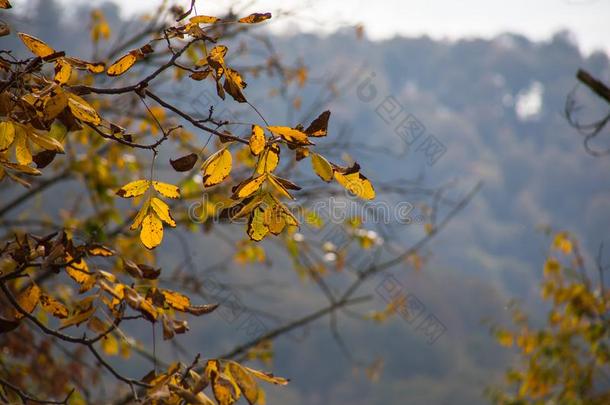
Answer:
(35, 45)
(257, 229)
(133, 189)
(151, 234)
(63, 70)
(234, 84)
(162, 211)
(355, 182)
(291, 135)
(269, 159)
(166, 190)
(122, 65)
(255, 18)
(257, 140)
(176, 300)
(216, 168)
(203, 19)
(7, 134)
(321, 167)
(82, 110)
(248, 187)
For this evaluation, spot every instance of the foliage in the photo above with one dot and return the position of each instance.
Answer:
(567, 359)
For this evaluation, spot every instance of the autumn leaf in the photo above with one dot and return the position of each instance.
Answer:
(162, 210)
(248, 187)
(5, 4)
(354, 181)
(133, 189)
(7, 134)
(269, 159)
(122, 65)
(291, 135)
(151, 234)
(82, 110)
(319, 126)
(176, 300)
(322, 167)
(35, 45)
(255, 18)
(166, 190)
(234, 84)
(53, 307)
(27, 300)
(93, 67)
(216, 168)
(63, 70)
(245, 381)
(46, 142)
(203, 19)
(257, 229)
(184, 163)
(257, 140)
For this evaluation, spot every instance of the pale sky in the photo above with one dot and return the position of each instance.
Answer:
(589, 20)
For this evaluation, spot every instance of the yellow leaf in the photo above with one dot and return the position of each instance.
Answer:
(22, 147)
(122, 65)
(176, 300)
(246, 383)
(53, 307)
(203, 19)
(216, 60)
(151, 234)
(28, 300)
(166, 190)
(291, 135)
(63, 70)
(21, 168)
(82, 110)
(255, 18)
(257, 229)
(7, 134)
(273, 219)
(321, 167)
(268, 161)
(93, 67)
(35, 45)
(140, 216)
(162, 211)
(46, 142)
(234, 84)
(55, 104)
(216, 168)
(279, 186)
(78, 318)
(248, 187)
(356, 184)
(133, 189)
(267, 377)
(79, 272)
(110, 345)
(257, 140)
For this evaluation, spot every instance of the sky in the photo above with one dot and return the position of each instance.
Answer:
(537, 19)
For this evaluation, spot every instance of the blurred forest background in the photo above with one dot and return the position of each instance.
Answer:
(497, 106)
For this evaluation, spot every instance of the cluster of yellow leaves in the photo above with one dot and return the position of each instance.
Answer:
(153, 211)
(227, 380)
(556, 358)
(99, 26)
